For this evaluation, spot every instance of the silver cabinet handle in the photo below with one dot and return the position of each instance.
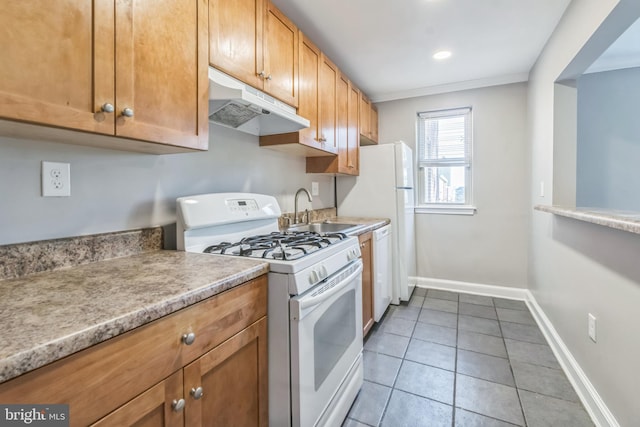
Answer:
(322, 139)
(127, 112)
(196, 393)
(178, 405)
(189, 338)
(107, 108)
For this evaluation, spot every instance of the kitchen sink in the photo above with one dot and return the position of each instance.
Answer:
(325, 227)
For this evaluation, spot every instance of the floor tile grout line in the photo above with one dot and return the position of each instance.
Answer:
(455, 367)
(524, 418)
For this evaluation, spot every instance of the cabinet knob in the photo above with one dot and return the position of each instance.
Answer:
(196, 393)
(262, 74)
(178, 405)
(189, 338)
(107, 108)
(127, 112)
(322, 139)
(268, 77)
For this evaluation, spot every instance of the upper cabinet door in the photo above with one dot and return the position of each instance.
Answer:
(353, 133)
(308, 106)
(161, 75)
(235, 38)
(280, 40)
(328, 83)
(48, 74)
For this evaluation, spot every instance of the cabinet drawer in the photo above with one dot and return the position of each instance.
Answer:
(101, 378)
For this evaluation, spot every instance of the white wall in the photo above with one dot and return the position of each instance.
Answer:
(115, 190)
(489, 247)
(608, 175)
(578, 268)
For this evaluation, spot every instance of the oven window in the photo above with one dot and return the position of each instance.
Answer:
(333, 333)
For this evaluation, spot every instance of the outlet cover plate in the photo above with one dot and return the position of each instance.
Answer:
(56, 179)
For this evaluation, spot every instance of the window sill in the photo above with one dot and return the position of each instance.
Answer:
(446, 210)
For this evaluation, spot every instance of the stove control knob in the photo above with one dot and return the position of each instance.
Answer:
(324, 272)
(313, 277)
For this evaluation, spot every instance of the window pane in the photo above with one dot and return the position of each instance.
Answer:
(444, 184)
(445, 138)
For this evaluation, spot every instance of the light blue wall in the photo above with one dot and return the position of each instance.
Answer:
(117, 190)
(608, 166)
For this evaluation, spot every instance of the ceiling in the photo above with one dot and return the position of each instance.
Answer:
(386, 46)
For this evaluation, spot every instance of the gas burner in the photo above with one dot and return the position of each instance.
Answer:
(286, 245)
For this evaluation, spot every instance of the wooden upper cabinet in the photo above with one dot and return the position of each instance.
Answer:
(346, 131)
(328, 82)
(235, 38)
(310, 58)
(305, 142)
(159, 79)
(373, 123)
(79, 65)
(280, 40)
(353, 132)
(254, 42)
(365, 115)
(368, 121)
(48, 74)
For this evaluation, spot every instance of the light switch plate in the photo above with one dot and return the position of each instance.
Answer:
(56, 179)
(315, 189)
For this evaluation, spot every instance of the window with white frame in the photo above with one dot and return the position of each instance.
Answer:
(444, 158)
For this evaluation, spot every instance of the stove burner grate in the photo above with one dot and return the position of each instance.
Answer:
(287, 246)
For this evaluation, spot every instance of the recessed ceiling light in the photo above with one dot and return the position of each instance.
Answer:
(443, 54)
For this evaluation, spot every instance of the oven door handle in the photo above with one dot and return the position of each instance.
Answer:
(318, 299)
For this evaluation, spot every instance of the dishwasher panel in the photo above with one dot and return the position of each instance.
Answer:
(381, 271)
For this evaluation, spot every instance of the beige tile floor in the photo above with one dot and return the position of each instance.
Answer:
(459, 360)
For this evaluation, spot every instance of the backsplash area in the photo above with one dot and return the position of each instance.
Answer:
(22, 259)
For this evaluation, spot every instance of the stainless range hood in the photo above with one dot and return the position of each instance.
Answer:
(239, 106)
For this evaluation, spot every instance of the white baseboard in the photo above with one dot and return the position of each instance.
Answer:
(593, 403)
(472, 288)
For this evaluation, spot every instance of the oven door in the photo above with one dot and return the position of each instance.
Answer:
(326, 341)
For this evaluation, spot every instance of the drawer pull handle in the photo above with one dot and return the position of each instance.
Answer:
(178, 405)
(189, 338)
(196, 393)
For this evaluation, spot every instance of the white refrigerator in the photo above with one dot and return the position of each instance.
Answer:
(384, 189)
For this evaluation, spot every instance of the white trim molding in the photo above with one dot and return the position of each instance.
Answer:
(473, 288)
(593, 403)
(591, 400)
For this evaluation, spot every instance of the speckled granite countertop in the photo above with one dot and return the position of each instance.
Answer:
(620, 220)
(368, 224)
(47, 316)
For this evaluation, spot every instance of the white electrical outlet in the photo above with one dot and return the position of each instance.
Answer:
(541, 188)
(592, 327)
(56, 179)
(315, 189)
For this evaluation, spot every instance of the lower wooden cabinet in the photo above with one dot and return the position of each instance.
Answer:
(154, 407)
(366, 249)
(232, 381)
(145, 377)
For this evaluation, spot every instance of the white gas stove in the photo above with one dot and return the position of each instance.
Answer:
(315, 301)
